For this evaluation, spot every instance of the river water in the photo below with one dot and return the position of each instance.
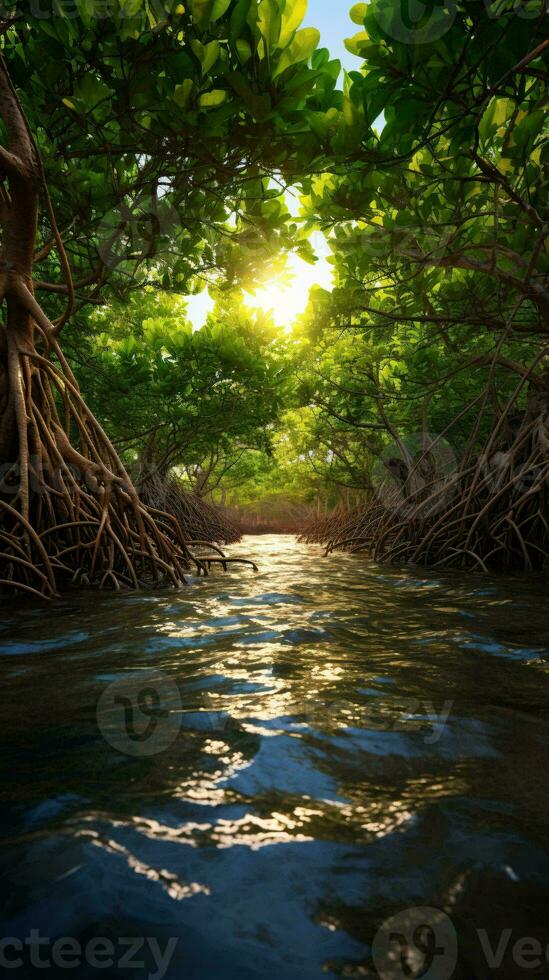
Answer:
(267, 768)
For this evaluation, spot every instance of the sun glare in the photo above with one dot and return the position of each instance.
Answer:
(283, 299)
(286, 296)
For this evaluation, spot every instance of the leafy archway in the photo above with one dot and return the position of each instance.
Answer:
(143, 133)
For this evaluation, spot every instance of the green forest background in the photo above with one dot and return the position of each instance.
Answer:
(215, 145)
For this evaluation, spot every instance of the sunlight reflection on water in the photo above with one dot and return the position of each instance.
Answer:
(346, 741)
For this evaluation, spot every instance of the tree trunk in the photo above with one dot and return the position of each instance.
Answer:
(68, 509)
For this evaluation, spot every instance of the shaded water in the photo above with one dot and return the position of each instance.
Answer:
(278, 764)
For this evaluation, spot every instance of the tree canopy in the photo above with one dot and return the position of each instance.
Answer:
(158, 125)
(146, 150)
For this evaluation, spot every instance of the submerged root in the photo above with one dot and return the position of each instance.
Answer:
(200, 523)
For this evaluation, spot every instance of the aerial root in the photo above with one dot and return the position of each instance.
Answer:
(197, 519)
(69, 513)
(231, 561)
(68, 510)
(492, 513)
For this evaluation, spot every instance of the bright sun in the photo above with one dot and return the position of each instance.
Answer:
(283, 299)
(286, 297)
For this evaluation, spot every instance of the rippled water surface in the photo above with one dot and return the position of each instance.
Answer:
(329, 743)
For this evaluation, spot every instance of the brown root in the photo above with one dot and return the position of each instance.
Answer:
(491, 514)
(69, 512)
(198, 520)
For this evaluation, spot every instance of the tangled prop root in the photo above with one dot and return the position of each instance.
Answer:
(69, 512)
(68, 509)
(197, 519)
(329, 528)
(491, 514)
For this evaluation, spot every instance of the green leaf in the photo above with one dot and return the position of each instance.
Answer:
(292, 17)
(496, 115)
(244, 50)
(210, 100)
(269, 23)
(201, 10)
(355, 43)
(183, 92)
(207, 12)
(529, 126)
(91, 91)
(207, 55)
(238, 19)
(358, 13)
(302, 48)
(351, 113)
(241, 86)
(219, 8)
(321, 58)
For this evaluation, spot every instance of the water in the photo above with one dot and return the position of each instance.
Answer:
(294, 757)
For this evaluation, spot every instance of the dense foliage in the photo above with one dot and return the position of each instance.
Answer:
(149, 139)
(416, 394)
(429, 390)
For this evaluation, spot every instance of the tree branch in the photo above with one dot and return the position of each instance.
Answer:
(10, 164)
(19, 160)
